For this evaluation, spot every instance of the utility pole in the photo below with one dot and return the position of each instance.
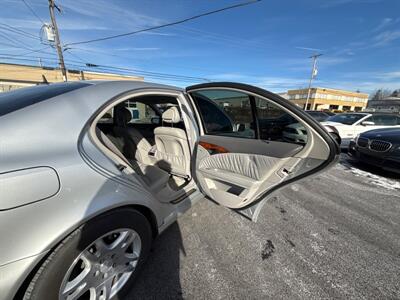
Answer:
(52, 5)
(313, 74)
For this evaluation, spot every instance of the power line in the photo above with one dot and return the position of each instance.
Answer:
(18, 31)
(133, 70)
(107, 69)
(22, 46)
(165, 25)
(27, 53)
(107, 53)
(150, 73)
(30, 58)
(15, 41)
(32, 11)
(76, 56)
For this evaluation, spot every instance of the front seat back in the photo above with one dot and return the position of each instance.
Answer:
(173, 154)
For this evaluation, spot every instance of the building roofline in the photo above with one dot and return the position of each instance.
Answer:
(329, 89)
(70, 71)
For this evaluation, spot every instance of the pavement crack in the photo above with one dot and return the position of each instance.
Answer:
(290, 242)
(333, 230)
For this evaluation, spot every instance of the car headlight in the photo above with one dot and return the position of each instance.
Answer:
(356, 138)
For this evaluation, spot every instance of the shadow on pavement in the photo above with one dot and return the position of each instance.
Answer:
(349, 162)
(160, 278)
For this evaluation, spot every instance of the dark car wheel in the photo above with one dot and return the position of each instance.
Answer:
(99, 260)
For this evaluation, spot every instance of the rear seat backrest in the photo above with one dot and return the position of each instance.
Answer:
(135, 145)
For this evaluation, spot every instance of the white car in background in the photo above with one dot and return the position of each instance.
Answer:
(349, 125)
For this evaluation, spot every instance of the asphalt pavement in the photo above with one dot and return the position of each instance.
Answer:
(336, 235)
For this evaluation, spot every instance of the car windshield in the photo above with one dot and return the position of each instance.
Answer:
(347, 119)
(317, 115)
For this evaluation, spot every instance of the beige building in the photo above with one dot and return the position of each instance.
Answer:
(16, 76)
(332, 99)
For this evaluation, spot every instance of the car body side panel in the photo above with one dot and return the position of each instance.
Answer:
(46, 134)
(64, 212)
(13, 274)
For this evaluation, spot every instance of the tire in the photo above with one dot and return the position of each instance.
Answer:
(51, 276)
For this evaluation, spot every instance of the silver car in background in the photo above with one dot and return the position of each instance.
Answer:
(85, 186)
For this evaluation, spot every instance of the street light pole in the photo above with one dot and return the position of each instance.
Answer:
(313, 74)
(52, 5)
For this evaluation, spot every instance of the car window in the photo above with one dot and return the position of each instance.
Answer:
(275, 124)
(225, 112)
(385, 120)
(230, 113)
(319, 116)
(141, 113)
(348, 119)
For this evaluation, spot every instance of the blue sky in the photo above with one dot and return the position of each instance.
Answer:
(264, 44)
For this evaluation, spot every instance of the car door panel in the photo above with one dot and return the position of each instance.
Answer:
(234, 178)
(242, 145)
(240, 172)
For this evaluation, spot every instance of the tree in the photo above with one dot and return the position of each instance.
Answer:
(396, 93)
(381, 94)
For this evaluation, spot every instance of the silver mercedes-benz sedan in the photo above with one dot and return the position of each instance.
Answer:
(91, 172)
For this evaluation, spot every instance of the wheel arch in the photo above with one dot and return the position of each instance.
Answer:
(145, 211)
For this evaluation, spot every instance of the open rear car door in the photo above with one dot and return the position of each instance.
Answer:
(253, 142)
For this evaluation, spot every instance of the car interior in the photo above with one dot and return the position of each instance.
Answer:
(248, 145)
(148, 133)
(245, 149)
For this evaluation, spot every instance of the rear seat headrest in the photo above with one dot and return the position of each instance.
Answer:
(171, 115)
(122, 116)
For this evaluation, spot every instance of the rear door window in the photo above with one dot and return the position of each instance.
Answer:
(141, 113)
(275, 124)
(225, 113)
(237, 114)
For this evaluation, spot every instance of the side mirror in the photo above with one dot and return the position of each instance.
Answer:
(367, 123)
(156, 120)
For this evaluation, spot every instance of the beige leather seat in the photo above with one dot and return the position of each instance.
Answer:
(135, 145)
(155, 178)
(172, 148)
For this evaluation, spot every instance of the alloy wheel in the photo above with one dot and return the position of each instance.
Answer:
(103, 268)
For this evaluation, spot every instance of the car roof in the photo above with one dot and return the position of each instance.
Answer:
(97, 91)
(75, 106)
